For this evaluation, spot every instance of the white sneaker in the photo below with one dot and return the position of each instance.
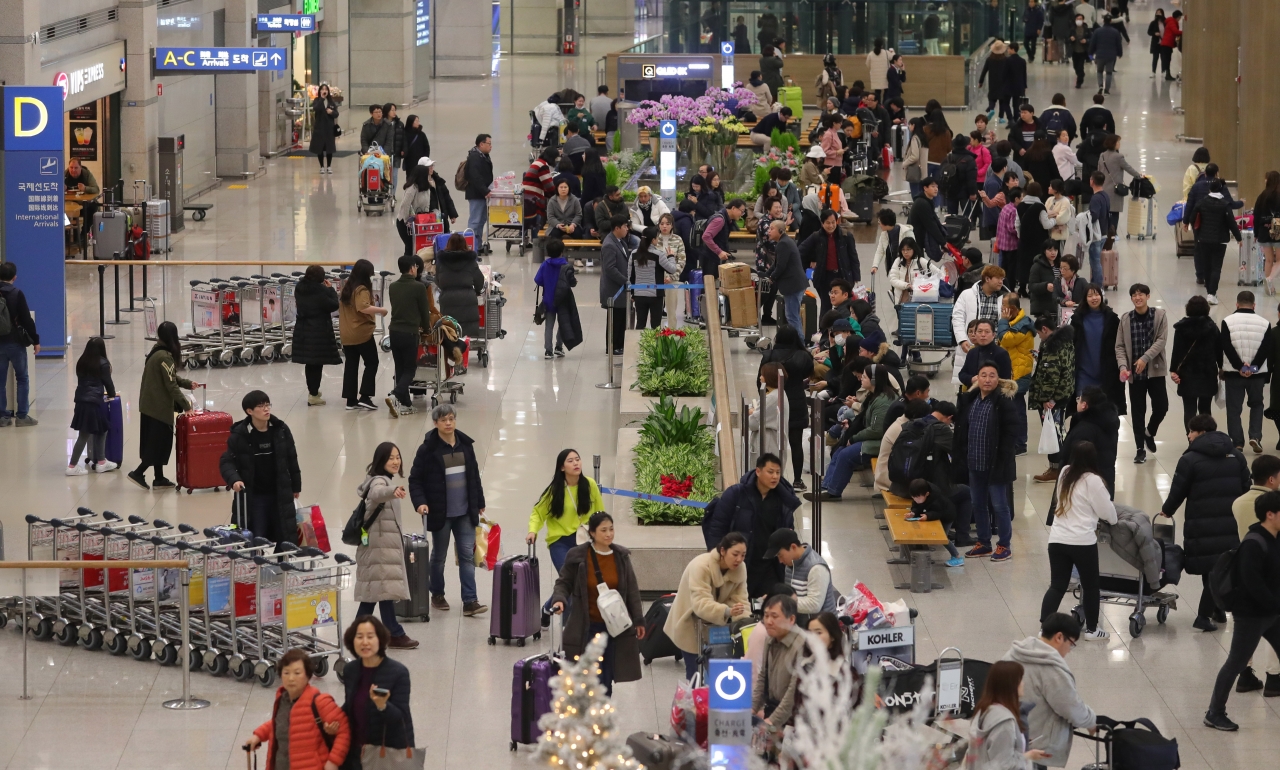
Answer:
(1096, 635)
(106, 466)
(1212, 299)
(77, 470)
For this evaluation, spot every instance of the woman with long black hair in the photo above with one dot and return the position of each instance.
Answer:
(797, 363)
(159, 397)
(92, 417)
(416, 144)
(356, 312)
(563, 510)
(314, 345)
(1083, 501)
(381, 580)
(1266, 211)
(645, 270)
(324, 116)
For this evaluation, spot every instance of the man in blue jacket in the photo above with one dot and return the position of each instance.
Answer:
(757, 506)
(1032, 23)
(1106, 44)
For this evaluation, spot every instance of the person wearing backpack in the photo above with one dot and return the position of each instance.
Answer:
(959, 175)
(473, 178)
(1254, 601)
(381, 579)
(17, 333)
(1059, 118)
(906, 414)
(1210, 475)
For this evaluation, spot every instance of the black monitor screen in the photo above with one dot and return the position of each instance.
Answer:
(639, 90)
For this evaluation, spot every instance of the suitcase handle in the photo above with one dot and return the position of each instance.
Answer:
(204, 400)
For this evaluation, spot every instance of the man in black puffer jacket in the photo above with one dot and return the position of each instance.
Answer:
(261, 462)
(1216, 227)
(1211, 474)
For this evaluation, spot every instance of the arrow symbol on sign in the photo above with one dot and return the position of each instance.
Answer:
(275, 58)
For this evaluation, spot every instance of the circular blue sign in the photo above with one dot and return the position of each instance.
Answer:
(668, 129)
(726, 48)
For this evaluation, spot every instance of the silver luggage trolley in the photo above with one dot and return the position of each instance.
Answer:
(1125, 585)
(436, 373)
(490, 304)
(506, 217)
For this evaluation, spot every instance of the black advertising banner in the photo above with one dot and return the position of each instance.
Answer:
(83, 141)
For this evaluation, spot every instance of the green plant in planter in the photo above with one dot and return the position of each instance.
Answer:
(617, 141)
(673, 363)
(761, 178)
(781, 140)
(677, 445)
(666, 427)
(611, 174)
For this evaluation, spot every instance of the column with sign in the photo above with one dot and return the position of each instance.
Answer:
(726, 64)
(667, 161)
(33, 205)
(729, 713)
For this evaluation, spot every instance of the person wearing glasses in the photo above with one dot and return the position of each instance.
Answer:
(1049, 684)
(262, 461)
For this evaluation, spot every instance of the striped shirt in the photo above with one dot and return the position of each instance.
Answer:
(1007, 228)
(455, 483)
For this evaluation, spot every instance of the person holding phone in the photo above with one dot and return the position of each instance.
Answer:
(377, 690)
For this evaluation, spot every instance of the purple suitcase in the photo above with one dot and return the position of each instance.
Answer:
(531, 697)
(517, 603)
(693, 307)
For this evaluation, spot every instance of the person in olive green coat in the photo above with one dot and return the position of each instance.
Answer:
(160, 396)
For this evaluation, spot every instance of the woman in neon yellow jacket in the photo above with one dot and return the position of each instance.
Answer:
(561, 508)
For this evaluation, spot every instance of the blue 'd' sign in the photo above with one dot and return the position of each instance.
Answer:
(33, 142)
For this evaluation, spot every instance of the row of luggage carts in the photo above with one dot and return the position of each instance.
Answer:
(248, 319)
(250, 600)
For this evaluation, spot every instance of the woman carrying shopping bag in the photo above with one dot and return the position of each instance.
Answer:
(602, 610)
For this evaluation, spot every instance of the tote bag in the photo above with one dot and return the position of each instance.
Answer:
(381, 758)
(613, 608)
(1049, 435)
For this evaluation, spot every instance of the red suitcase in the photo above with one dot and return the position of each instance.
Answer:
(202, 438)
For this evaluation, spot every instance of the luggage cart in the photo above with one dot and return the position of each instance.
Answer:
(372, 193)
(924, 332)
(506, 216)
(490, 301)
(435, 374)
(1126, 586)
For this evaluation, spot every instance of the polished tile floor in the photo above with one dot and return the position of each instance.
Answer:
(521, 411)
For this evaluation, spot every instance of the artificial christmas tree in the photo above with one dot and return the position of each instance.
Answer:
(578, 732)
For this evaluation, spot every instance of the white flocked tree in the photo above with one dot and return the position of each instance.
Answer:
(578, 732)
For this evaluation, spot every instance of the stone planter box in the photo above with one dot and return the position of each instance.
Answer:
(634, 405)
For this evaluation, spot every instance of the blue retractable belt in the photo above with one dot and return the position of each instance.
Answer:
(655, 498)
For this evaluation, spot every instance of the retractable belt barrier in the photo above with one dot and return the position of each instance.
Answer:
(655, 498)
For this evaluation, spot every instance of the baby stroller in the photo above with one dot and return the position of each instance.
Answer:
(536, 143)
(374, 182)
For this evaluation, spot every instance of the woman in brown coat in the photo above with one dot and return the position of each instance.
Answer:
(585, 566)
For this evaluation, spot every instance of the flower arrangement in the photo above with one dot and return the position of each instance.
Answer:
(744, 96)
(685, 111)
(786, 157)
(719, 131)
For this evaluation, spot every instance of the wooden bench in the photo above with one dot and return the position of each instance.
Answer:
(914, 540)
(570, 244)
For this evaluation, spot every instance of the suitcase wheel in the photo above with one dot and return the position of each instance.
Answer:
(513, 745)
(424, 618)
(520, 642)
(493, 642)
(537, 635)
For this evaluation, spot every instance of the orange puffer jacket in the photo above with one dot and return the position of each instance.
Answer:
(307, 749)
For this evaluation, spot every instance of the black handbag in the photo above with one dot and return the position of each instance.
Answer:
(539, 309)
(1122, 190)
(1133, 748)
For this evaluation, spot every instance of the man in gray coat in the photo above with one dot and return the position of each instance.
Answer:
(1140, 353)
(788, 272)
(1106, 44)
(1049, 684)
(615, 267)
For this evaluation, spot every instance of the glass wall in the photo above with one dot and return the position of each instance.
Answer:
(938, 27)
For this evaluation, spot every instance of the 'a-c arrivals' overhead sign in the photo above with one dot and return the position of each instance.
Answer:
(33, 176)
(201, 59)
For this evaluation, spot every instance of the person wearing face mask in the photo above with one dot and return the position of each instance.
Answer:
(1078, 44)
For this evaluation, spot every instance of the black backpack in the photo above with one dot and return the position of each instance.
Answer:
(353, 531)
(6, 322)
(1223, 581)
(912, 453)
(1142, 749)
(949, 175)
(1055, 123)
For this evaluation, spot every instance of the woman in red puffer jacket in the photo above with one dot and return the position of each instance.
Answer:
(296, 732)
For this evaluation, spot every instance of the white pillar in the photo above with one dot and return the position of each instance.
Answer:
(19, 57)
(382, 54)
(531, 26)
(609, 17)
(335, 45)
(139, 113)
(463, 37)
(236, 98)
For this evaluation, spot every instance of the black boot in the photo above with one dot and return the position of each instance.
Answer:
(1272, 687)
(1248, 681)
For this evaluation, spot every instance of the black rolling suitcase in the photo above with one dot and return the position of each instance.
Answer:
(656, 643)
(417, 568)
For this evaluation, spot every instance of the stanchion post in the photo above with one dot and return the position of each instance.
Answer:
(746, 436)
(815, 477)
(783, 427)
(186, 702)
(595, 464)
(25, 695)
(609, 321)
(102, 304)
(116, 272)
(132, 298)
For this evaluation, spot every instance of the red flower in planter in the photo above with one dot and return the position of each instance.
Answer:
(674, 487)
(667, 331)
